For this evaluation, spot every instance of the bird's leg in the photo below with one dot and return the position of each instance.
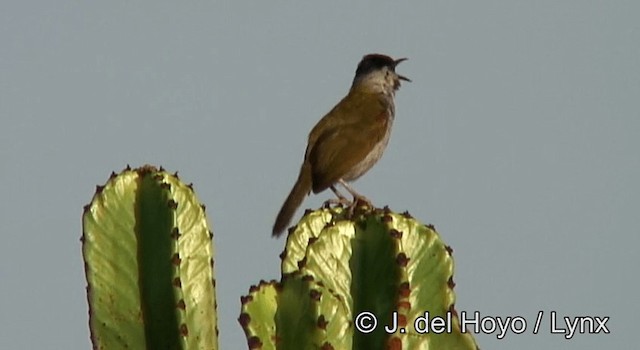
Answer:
(341, 200)
(340, 196)
(357, 197)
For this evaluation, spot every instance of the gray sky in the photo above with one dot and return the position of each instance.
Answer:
(518, 140)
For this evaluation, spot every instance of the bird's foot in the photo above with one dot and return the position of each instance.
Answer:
(360, 200)
(337, 202)
(359, 205)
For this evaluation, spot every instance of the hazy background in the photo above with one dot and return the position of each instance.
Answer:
(518, 140)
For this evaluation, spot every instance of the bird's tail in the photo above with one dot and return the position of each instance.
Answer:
(295, 198)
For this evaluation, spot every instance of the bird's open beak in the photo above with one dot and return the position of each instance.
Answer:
(396, 62)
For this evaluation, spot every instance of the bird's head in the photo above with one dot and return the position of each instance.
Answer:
(377, 71)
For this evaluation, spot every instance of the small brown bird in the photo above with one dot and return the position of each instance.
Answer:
(351, 138)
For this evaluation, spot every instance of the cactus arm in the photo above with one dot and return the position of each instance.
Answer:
(148, 262)
(352, 261)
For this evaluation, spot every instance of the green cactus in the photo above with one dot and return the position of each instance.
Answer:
(149, 264)
(338, 263)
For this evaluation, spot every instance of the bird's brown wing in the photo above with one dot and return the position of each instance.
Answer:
(339, 148)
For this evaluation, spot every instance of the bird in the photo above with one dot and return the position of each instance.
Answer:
(350, 138)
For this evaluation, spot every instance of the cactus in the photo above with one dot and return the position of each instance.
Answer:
(149, 264)
(338, 263)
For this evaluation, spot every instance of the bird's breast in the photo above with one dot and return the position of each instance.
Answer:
(384, 121)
